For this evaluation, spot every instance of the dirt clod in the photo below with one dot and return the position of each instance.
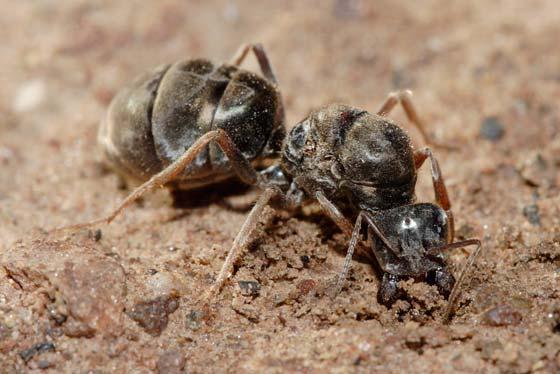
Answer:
(153, 315)
(171, 362)
(554, 319)
(531, 212)
(249, 288)
(491, 129)
(195, 319)
(28, 354)
(502, 315)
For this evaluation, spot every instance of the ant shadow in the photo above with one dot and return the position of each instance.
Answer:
(221, 193)
(227, 193)
(215, 194)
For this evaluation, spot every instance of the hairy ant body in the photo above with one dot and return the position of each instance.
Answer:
(194, 123)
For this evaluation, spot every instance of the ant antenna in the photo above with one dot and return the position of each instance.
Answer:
(457, 287)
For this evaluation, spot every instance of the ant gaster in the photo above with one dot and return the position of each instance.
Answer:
(194, 123)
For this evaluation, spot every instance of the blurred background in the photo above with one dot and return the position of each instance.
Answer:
(485, 76)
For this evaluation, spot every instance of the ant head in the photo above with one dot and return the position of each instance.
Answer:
(426, 221)
(417, 227)
(412, 231)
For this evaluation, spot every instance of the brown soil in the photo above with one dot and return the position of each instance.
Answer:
(124, 299)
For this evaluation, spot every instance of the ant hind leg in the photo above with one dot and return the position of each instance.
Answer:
(262, 58)
(239, 163)
(404, 97)
(442, 197)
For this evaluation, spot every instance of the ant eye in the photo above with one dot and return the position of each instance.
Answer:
(409, 223)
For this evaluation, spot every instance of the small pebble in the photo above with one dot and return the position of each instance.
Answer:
(306, 286)
(171, 362)
(502, 315)
(153, 315)
(249, 288)
(97, 235)
(29, 96)
(491, 129)
(554, 317)
(28, 354)
(531, 212)
(194, 319)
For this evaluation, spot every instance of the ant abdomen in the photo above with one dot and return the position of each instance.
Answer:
(152, 122)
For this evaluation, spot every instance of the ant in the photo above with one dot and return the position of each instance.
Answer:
(194, 123)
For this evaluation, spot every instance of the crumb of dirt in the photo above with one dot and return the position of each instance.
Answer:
(30, 96)
(537, 170)
(531, 212)
(195, 319)
(422, 298)
(306, 286)
(242, 306)
(491, 129)
(171, 362)
(29, 353)
(249, 288)
(554, 319)
(502, 315)
(153, 315)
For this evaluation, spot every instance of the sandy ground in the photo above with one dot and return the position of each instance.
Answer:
(124, 299)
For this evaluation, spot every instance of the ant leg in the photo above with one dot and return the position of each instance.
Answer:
(267, 72)
(381, 256)
(334, 213)
(404, 97)
(240, 164)
(349, 254)
(442, 197)
(262, 58)
(241, 240)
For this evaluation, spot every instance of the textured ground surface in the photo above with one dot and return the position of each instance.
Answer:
(125, 300)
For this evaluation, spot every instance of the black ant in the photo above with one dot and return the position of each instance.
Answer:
(194, 123)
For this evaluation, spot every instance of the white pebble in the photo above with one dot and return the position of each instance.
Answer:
(30, 95)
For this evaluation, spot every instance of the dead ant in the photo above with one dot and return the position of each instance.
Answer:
(194, 123)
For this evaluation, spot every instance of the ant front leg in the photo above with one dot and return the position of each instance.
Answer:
(349, 254)
(442, 197)
(381, 254)
(334, 213)
(404, 97)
